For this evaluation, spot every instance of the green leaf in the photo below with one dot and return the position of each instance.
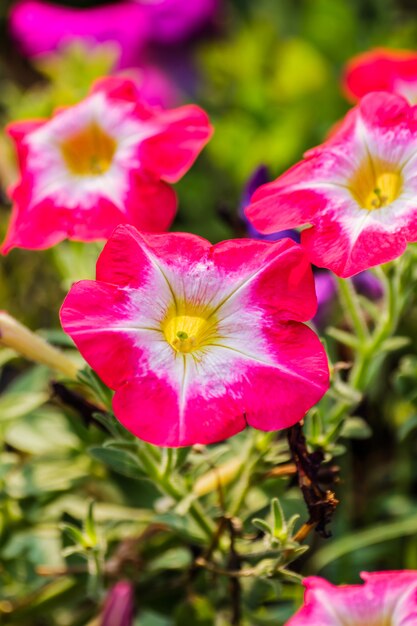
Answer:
(343, 337)
(395, 343)
(279, 524)
(74, 533)
(262, 525)
(196, 611)
(355, 428)
(89, 524)
(120, 461)
(406, 428)
(176, 558)
(42, 432)
(14, 405)
(362, 539)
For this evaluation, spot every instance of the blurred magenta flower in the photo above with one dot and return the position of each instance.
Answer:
(118, 609)
(382, 70)
(41, 27)
(386, 599)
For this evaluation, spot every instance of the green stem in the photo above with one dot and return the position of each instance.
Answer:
(370, 345)
(164, 482)
(352, 307)
(95, 570)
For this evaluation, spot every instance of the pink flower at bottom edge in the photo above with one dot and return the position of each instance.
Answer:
(386, 599)
(118, 608)
(105, 161)
(357, 191)
(382, 70)
(199, 340)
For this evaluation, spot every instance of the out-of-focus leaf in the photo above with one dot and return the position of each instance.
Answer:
(46, 474)
(177, 558)
(300, 69)
(407, 427)
(41, 432)
(120, 461)
(362, 539)
(17, 404)
(149, 618)
(356, 428)
(197, 610)
(40, 545)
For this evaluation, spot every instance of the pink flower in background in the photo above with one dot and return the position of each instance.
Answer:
(118, 609)
(358, 190)
(382, 70)
(386, 599)
(199, 340)
(41, 27)
(138, 28)
(102, 162)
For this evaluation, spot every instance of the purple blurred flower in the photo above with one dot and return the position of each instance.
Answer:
(172, 21)
(260, 177)
(118, 609)
(326, 289)
(365, 283)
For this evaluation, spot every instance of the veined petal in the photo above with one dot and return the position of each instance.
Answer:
(86, 165)
(356, 191)
(206, 334)
(385, 598)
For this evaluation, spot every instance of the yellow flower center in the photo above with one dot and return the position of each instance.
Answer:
(376, 184)
(90, 152)
(189, 332)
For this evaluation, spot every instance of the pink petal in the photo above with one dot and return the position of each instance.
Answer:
(183, 132)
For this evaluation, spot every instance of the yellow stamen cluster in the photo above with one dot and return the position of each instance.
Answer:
(376, 184)
(189, 330)
(89, 152)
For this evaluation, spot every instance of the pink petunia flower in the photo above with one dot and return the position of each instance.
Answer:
(382, 70)
(386, 599)
(199, 340)
(41, 27)
(100, 163)
(357, 190)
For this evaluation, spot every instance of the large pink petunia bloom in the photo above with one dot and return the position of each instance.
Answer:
(100, 163)
(41, 27)
(386, 599)
(382, 70)
(358, 190)
(199, 340)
